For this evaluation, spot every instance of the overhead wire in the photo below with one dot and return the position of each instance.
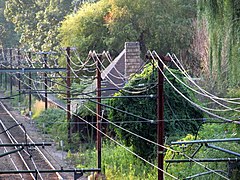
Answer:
(72, 70)
(136, 154)
(191, 102)
(121, 76)
(152, 142)
(184, 84)
(127, 149)
(124, 146)
(197, 162)
(30, 64)
(121, 86)
(33, 82)
(107, 55)
(207, 94)
(182, 69)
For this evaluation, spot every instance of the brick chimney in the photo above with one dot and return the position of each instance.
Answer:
(132, 58)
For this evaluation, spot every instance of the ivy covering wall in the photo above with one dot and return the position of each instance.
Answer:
(180, 116)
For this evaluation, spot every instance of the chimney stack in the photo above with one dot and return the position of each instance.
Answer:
(132, 58)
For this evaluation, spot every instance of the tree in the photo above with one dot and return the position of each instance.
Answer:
(8, 37)
(180, 116)
(162, 25)
(37, 25)
(223, 24)
(86, 29)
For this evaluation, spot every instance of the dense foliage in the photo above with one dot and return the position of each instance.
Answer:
(53, 122)
(208, 131)
(107, 24)
(223, 24)
(119, 164)
(180, 116)
(37, 21)
(85, 29)
(8, 37)
(156, 24)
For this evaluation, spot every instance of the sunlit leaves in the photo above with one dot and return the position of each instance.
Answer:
(160, 25)
(37, 21)
(86, 29)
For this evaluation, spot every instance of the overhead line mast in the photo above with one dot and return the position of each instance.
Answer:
(160, 114)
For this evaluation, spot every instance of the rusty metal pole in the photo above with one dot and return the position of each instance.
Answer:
(5, 51)
(1, 80)
(19, 79)
(160, 122)
(160, 114)
(11, 80)
(30, 88)
(68, 80)
(45, 81)
(98, 111)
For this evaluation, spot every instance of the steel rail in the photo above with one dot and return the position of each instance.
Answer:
(49, 171)
(14, 164)
(25, 144)
(28, 137)
(12, 140)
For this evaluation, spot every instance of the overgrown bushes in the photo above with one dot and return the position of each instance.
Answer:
(53, 122)
(180, 116)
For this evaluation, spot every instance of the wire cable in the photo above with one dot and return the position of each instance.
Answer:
(127, 149)
(203, 94)
(155, 143)
(181, 68)
(191, 102)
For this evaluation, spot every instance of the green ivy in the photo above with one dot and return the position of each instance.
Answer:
(175, 107)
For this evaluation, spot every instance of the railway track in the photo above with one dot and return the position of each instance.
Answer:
(27, 157)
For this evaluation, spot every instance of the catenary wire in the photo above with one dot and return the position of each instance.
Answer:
(217, 110)
(191, 102)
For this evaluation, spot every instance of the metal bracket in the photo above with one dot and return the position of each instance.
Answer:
(11, 152)
(196, 151)
(77, 175)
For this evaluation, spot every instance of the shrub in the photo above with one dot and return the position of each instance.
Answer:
(175, 108)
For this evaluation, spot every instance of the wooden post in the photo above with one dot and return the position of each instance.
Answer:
(160, 114)
(5, 51)
(1, 79)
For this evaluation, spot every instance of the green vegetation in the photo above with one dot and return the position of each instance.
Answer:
(8, 37)
(166, 26)
(37, 21)
(223, 24)
(208, 131)
(175, 108)
(120, 164)
(85, 29)
(107, 24)
(53, 122)
(117, 162)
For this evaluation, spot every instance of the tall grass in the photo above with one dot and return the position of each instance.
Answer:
(117, 163)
